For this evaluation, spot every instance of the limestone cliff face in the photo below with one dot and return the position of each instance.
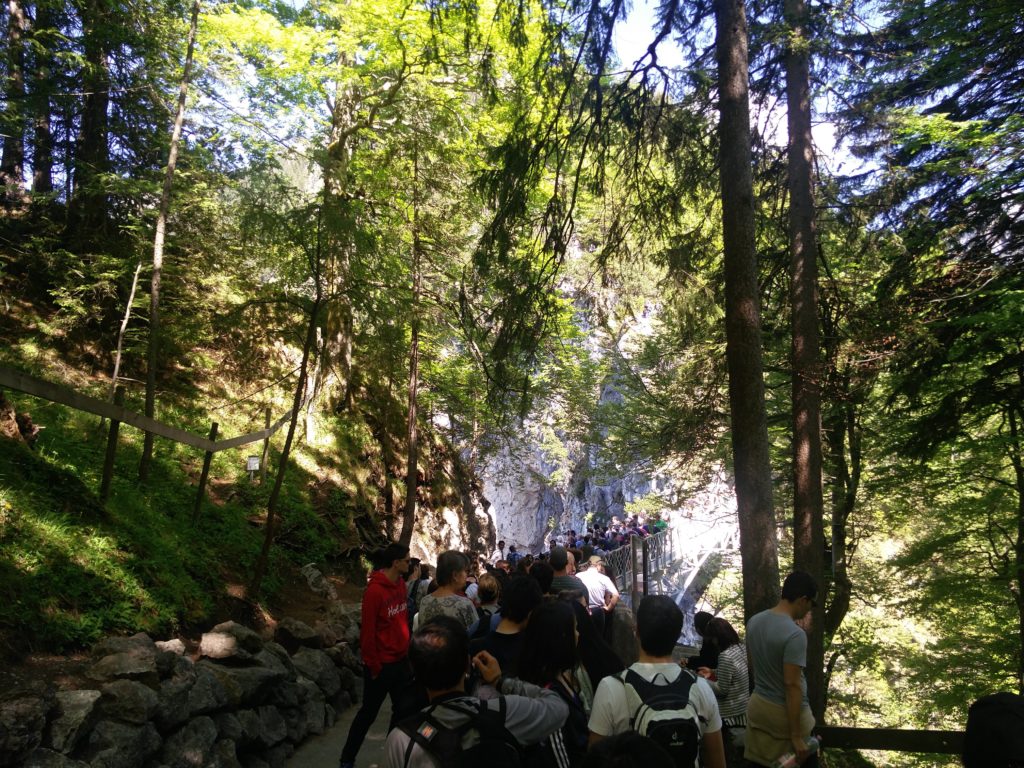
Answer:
(532, 496)
(547, 480)
(459, 519)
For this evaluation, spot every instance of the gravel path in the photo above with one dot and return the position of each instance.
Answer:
(324, 751)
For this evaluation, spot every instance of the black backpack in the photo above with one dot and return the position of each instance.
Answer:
(664, 713)
(995, 732)
(496, 747)
(483, 624)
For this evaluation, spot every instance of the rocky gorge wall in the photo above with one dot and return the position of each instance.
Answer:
(531, 496)
(243, 702)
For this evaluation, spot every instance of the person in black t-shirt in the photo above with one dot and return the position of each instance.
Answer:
(521, 596)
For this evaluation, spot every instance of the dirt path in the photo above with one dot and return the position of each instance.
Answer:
(324, 751)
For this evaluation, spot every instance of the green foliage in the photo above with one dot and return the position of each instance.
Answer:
(73, 572)
(550, 229)
(650, 507)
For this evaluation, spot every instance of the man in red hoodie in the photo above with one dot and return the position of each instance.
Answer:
(384, 641)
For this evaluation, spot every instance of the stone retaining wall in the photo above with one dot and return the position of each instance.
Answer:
(244, 702)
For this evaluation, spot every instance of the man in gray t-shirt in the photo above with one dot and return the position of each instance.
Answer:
(772, 637)
(779, 718)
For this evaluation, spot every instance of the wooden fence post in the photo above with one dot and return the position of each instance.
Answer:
(266, 448)
(108, 460)
(202, 477)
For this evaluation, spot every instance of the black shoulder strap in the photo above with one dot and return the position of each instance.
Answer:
(491, 723)
(433, 736)
(429, 733)
(648, 688)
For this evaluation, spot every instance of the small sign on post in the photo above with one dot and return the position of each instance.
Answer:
(252, 466)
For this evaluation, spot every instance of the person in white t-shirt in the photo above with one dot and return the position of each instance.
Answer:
(659, 622)
(498, 554)
(602, 595)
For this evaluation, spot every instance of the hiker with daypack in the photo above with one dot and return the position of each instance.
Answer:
(457, 730)
(488, 593)
(656, 697)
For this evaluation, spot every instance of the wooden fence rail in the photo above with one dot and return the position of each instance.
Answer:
(55, 393)
(32, 385)
(892, 740)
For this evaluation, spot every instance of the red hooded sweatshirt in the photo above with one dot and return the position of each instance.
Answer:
(385, 632)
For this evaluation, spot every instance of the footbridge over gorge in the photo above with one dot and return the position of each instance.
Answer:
(679, 561)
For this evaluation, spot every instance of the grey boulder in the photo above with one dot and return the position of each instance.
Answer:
(22, 721)
(317, 666)
(129, 701)
(75, 714)
(118, 745)
(192, 746)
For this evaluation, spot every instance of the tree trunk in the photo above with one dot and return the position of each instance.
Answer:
(808, 507)
(336, 354)
(153, 351)
(282, 466)
(758, 543)
(412, 435)
(42, 138)
(1015, 415)
(12, 125)
(87, 211)
(411, 473)
(121, 332)
(843, 436)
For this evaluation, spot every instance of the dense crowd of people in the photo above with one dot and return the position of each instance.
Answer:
(597, 540)
(514, 666)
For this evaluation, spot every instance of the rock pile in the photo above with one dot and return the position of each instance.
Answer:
(245, 702)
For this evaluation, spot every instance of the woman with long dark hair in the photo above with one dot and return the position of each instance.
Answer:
(730, 682)
(597, 659)
(549, 658)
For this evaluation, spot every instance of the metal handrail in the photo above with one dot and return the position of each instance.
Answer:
(617, 563)
(658, 552)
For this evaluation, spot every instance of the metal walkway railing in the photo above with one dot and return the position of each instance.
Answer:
(663, 563)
